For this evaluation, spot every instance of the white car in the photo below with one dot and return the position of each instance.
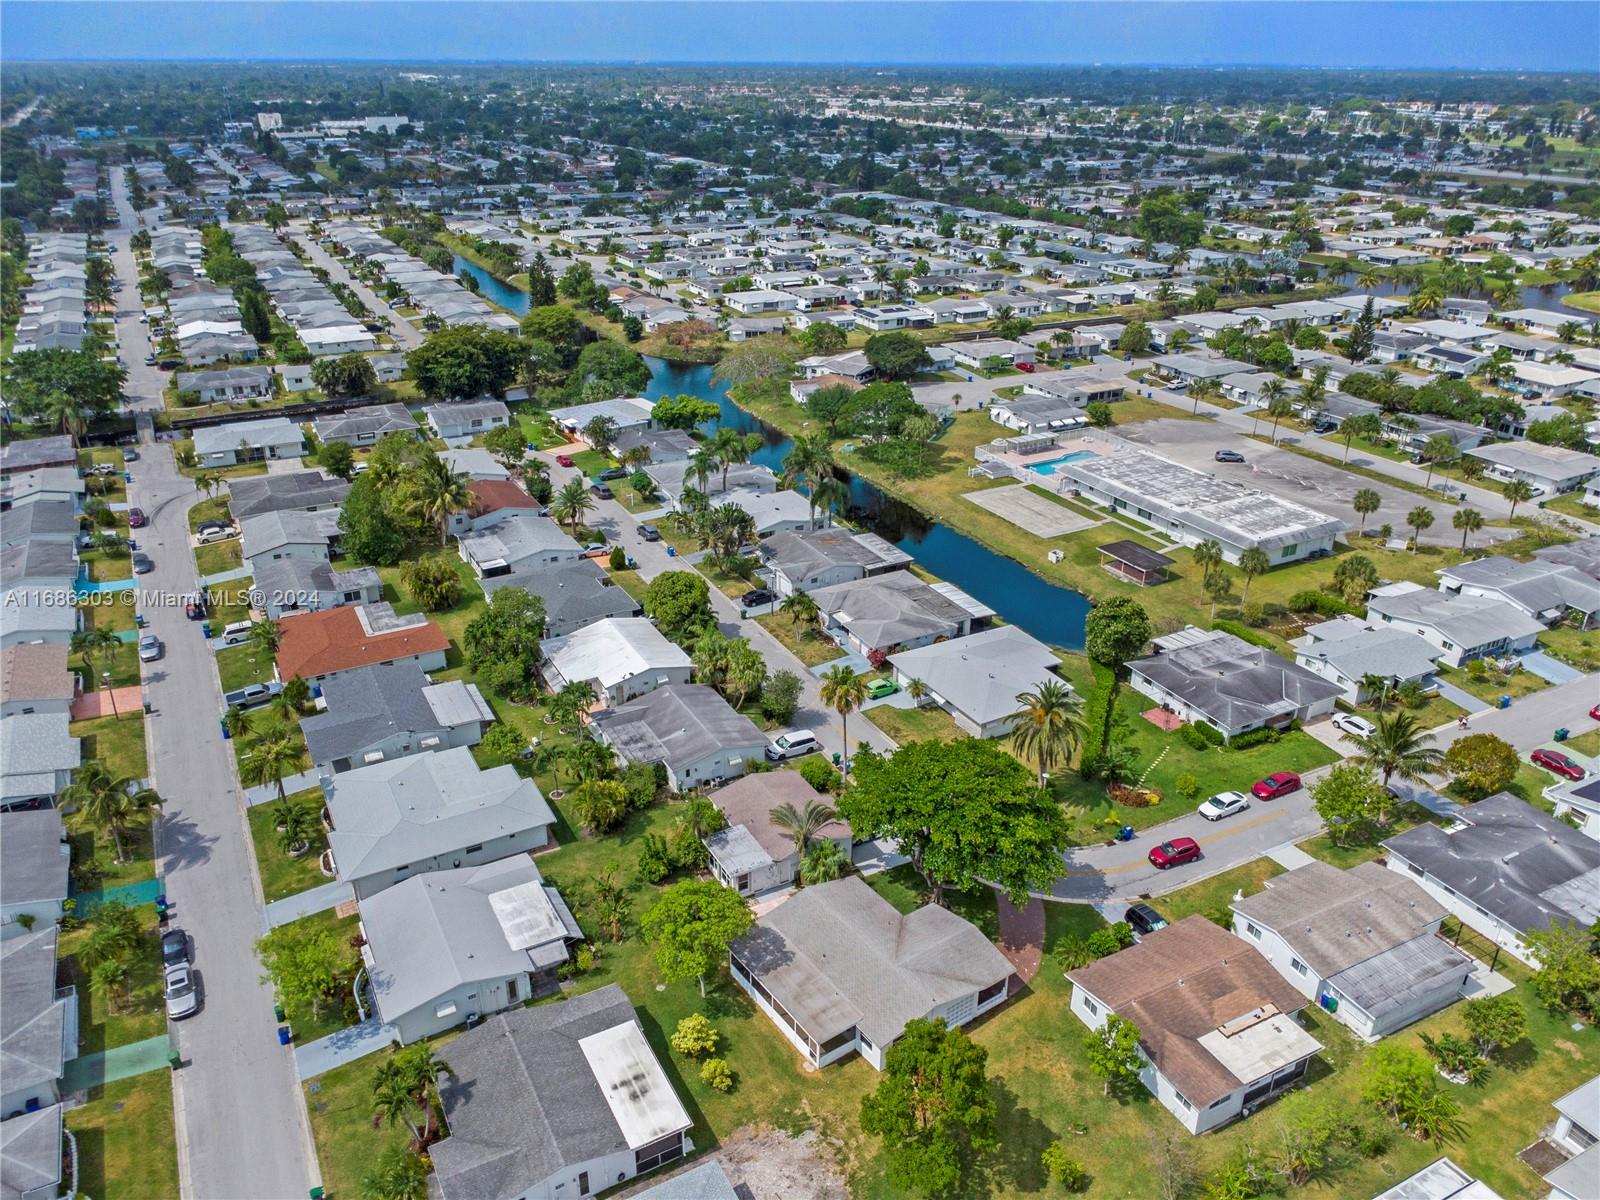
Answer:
(1353, 725)
(183, 998)
(150, 647)
(1224, 804)
(215, 534)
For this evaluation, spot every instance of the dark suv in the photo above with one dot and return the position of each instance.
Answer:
(1143, 919)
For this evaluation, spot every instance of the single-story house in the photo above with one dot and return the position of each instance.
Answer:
(622, 658)
(1551, 470)
(663, 445)
(288, 533)
(1362, 944)
(365, 426)
(446, 947)
(315, 646)
(555, 1102)
(1461, 626)
(801, 562)
(38, 1022)
(428, 812)
(838, 969)
(575, 594)
(1577, 801)
(34, 679)
(754, 854)
(34, 861)
(338, 339)
(625, 414)
(1546, 591)
(236, 442)
(516, 540)
(374, 714)
(1224, 681)
(234, 385)
(1349, 651)
(1576, 1133)
(300, 491)
(491, 499)
(286, 585)
(1217, 1026)
(466, 418)
(31, 1154)
(977, 679)
(891, 612)
(1504, 869)
(975, 354)
(759, 300)
(38, 755)
(782, 511)
(686, 727)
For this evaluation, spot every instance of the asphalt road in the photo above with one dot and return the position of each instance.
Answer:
(241, 1126)
(406, 335)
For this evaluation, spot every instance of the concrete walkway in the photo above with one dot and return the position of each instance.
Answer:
(121, 1062)
(227, 576)
(1289, 856)
(267, 793)
(1460, 697)
(312, 900)
(1549, 669)
(342, 1047)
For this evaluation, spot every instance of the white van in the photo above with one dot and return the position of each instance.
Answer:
(792, 745)
(236, 634)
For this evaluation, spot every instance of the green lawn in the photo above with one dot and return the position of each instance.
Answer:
(126, 1138)
(1211, 896)
(307, 1026)
(216, 557)
(1491, 685)
(136, 1010)
(1586, 743)
(124, 661)
(591, 462)
(630, 582)
(229, 602)
(107, 566)
(240, 665)
(1579, 647)
(281, 874)
(92, 847)
(263, 725)
(1430, 714)
(1572, 505)
(214, 509)
(930, 724)
(116, 741)
(452, 620)
(805, 641)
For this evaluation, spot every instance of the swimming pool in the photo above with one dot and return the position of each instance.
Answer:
(1049, 468)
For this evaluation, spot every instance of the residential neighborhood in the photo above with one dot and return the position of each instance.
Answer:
(680, 625)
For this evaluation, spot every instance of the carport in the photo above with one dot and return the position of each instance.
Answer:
(1135, 563)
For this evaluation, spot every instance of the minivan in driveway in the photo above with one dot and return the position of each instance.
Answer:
(792, 745)
(237, 633)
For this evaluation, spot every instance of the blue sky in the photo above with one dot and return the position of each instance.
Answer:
(1550, 35)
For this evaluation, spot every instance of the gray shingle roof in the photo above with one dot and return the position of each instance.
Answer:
(33, 856)
(367, 705)
(981, 675)
(574, 594)
(1232, 682)
(677, 725)
(886, 610)
(522, 1100)
(253, 495)
(32, 1020)
(30, 1153)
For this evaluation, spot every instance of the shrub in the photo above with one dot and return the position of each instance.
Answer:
(1477, 668)
(1064, 1169)
(694, 1037)
(1254, 613)
(780, 696)
(1244, 634)
(1097, 712)
(501, 745)
(1254, 737)
(600, 804)
(1110, 939)
(655, 859)
(1200, 735)
(619, 558)
(584, 961)
(717, 1074)
(1320, 603)
(819, 773)
(876, 658)
(642, 782)
(1187, 785)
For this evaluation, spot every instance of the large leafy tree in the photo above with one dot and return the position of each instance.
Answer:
(1481, 764)
(757, 358)
(897, 356)
(347, 375)
(373, 530)
(680, 603)
(1116, 630)
(691, 927)
(932, 1107)
(32, 377)
(683, 412)
(462, 361)
(503, 639)
(966, 812)
(307, 966)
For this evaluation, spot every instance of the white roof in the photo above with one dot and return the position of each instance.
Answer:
(635, 1088)
(613, 650)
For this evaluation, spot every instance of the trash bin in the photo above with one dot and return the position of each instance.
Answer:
(1563, 734)
(1505, 702)
(205, 630)
(174, 1060)
(278, 1014)
(1125, 834)
(283, 1035)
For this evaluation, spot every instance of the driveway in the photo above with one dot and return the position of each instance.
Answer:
(242, 1131)
(342, 1047)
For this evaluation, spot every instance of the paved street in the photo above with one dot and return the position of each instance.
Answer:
(406, 335)
(1530, 721)
(241, 1125)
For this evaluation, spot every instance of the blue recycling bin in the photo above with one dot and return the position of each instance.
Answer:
(205, 630)
(225, 734)
(1505, 702)
(1563, 734)
(672, 552)
(283, 1035)
(1125, 834)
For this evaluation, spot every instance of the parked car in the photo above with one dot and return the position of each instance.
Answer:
(564, 459)
(600, 490)
(1353, 725)
(1025, 367)
(150, 647)
(1224, 804)
(141, 563)
(211, 523)
(1324, 426)
(792, 745)
(149, 359)
(129, 454)
(611, 473)
(757, 597)
(206, 536)
(136, 517)
(174, 948)
(650, 533)
(1228, 456)
(1554, 760)
(195, 610)
(1174, 853)
(1280, 783)
(1143, 919)
(1594, 713)
(183, 997)
(252, 695)
(882, 687)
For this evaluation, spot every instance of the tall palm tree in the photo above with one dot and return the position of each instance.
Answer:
(105, 802)
(270, 761)
(99, 645)
(1272, 391)
(844, 691)
(266, 637)
(1398, 747)
(1208, 554)
(1049, 727)
(799, 607)
(702, 465)
(392, 1101)
(1281, 407)
(802, 824)
(1516, 491)
(571, 503)
(1252, 562)
(420, 1067)
(832, 495)
(1469, 521)
(441, 493)
(730, 447)
(810, 462)
(1203, 389)
(65, 414)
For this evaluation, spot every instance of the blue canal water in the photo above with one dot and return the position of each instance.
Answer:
(1551, 296)
(1051, 614)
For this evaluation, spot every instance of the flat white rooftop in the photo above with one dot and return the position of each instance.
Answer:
(643, 1103)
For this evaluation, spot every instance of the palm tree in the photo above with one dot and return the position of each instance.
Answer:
(916, 689)
(441, 493)
(1366, 501)
(823, 862)
(1363, 425)
(1419, 518)
(1516, 491)
(105, 802)
(1468, 520)
(800, 608)
(1438, 450)
(98, 645)
(1425, 299)
(1252, 562)
(1281, 407)
(1398, 746)
(420, 1067)
(266, 637)
(269, 761)
(392, 1100)
(571, 503)
(702, 465)
(810, 462)
(832, 495)
(295, 825)
(65, 414)
(730, 447)
(1271, 392)
(844, 691)
(1049, 727)
(1204, 389)
(1208, 554)
(1376, 687)
(804, 823)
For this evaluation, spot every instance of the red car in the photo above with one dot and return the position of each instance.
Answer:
(1170, 854)
(1594, 713)
(1554, 760)
(136, 518)
(1025, 367)
(1273, 786)
(564, 459)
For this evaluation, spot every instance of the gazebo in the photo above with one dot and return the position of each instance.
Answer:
(1139, 564)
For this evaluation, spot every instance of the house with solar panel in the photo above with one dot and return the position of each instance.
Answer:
(444, 948)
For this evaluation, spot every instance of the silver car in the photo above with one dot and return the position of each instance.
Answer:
(150, 647)
(183, 994)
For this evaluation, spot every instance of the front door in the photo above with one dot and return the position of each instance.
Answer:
(583, 1183)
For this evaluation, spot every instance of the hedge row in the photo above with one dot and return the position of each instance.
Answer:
(1245, 634)
(1320, 603)
(1097, 712)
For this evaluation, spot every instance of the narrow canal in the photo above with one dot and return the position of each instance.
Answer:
(1052, 614)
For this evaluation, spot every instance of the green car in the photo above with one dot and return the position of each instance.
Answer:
(881, 688)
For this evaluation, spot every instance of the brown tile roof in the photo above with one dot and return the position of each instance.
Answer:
(492, 495)
(35, 672)
(320, 643)
(749, 802)
(1181, 983)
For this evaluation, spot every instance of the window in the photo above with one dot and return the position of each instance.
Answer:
(1183, 1100)
(1094, 1009)
(473, 849)
(1299, 966)
(1289, 550)
(1253, 930)
(990, 992)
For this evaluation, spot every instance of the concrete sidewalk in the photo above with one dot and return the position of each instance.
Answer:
(120, 1062)
(312, 900)
(268, 793)
(342, 1047)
